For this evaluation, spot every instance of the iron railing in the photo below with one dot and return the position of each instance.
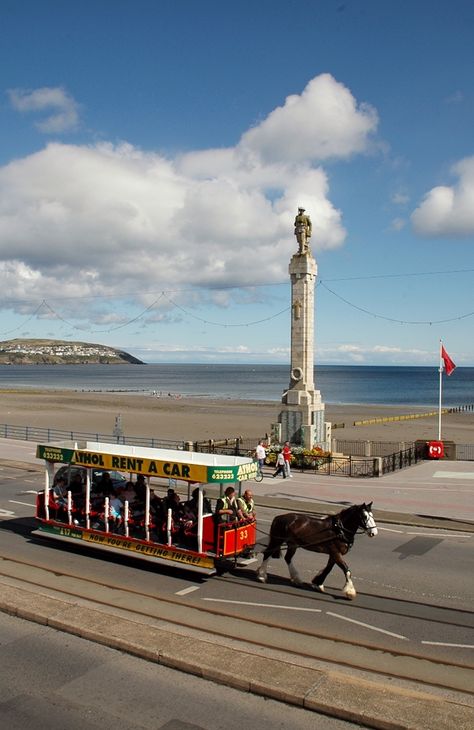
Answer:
(47, 435)
(379, 462)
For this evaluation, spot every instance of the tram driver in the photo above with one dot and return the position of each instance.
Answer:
(227, 508)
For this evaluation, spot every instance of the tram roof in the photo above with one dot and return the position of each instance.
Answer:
(192, 466)
(177, 456)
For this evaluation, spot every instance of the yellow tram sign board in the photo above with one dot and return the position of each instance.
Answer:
(189, 471)
(140, 548)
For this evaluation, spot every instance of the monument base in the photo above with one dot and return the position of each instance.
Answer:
(302, 419)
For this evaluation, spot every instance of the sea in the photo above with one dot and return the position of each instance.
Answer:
(339, 384)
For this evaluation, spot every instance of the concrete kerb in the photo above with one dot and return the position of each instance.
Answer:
(374, 704)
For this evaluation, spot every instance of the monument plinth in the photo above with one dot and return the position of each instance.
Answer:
(302, 414)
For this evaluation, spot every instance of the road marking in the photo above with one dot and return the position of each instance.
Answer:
(367, 626)
(443, 643)
(437, 534)
(453, 475)
(190, 589)
(29, 491)
(263, 605)
(6, 513)
(26, 504)
(387, 529)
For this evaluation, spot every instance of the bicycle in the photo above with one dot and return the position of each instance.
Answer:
(259, 475)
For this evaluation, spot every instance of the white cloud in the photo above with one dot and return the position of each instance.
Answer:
(397, 224)
(400, 198)
(64, 110)
(448, 211)
(373, 354)
(321, 123)
(92, 220)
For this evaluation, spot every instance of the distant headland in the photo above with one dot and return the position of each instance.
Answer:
(61, 352)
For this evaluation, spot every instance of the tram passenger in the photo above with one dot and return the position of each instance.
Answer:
(171, 502)
(227, 508)
(77, 488)
(115, 510)
(140, 488)
(58, 499)
(59, 492)
(128, 493)
(247, 505)
(193, 504)
(105, 485)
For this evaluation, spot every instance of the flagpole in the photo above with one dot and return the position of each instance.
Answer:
(440, 389)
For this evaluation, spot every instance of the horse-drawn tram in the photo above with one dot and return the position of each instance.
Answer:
(99, 494)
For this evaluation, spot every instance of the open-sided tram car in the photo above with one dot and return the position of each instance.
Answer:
(84, 516)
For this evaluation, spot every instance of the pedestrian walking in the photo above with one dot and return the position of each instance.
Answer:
(261, 454)
(280, 466)
(287, 456)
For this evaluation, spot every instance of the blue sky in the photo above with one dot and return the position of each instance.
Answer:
(153, 155)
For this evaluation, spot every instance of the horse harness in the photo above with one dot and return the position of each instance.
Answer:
(342, 533)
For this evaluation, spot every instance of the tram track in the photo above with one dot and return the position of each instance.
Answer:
(400, 605)
(181, 614)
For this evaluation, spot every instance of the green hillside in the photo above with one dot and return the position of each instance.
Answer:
(61, 352)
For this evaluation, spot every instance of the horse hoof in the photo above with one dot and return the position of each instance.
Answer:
(350, 596)
(261, 579)
(320, 589)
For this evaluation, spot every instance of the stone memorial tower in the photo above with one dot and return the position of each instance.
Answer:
(302, 416)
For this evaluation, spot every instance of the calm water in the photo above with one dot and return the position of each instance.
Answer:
(337, 383)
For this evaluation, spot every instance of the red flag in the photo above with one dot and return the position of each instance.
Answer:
(448, 363)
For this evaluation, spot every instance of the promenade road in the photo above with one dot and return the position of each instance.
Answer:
(443, 489)
(439, 494)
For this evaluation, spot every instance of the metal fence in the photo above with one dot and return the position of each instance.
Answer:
(47, 435)
(465, 452)
(369, 448)
(359, 459)
(357, 466)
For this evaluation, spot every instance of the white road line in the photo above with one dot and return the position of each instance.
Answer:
(6, 513)
(443, 643)
(263, 605)
(437, 534)
(190, 589)
(27, 504)
(453, 475)
(367, 626)
(29, 491)
(388, 529)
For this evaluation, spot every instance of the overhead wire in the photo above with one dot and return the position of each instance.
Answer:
(393, 319)
(165, 294)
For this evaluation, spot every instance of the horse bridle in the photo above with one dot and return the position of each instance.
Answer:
(347, 535)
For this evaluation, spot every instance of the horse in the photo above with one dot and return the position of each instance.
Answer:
(333, 535)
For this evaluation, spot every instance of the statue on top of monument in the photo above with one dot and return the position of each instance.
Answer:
(303, 229)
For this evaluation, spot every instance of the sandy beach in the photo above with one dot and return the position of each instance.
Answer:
(202, 418)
